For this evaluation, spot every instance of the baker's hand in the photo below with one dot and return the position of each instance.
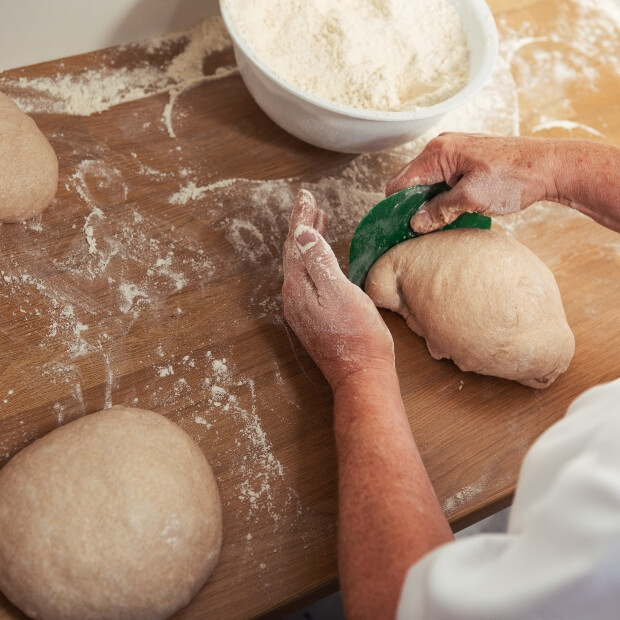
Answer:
(488, 175)
(334, 319)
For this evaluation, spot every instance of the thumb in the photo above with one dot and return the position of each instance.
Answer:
(444, 208)
(318, 258)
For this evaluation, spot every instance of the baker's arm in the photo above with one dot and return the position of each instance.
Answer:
(496, 176)
(389, 516)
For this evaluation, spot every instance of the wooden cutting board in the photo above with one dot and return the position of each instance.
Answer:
(154, 280)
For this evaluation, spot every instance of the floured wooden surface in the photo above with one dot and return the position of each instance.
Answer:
(154, 279)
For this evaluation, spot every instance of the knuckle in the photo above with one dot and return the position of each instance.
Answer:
(445, 138)
(436, 144)
(443, 144)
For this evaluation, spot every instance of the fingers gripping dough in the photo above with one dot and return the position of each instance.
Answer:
(115, 515)
(481, 299)
(28, 165)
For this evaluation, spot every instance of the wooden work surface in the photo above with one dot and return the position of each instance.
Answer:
(153, 280)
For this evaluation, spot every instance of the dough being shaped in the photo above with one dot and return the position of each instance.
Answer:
(114, 515)
(28, 165)
(481, 299)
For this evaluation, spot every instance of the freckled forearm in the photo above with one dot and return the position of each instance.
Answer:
(587, 178)
(389, 516)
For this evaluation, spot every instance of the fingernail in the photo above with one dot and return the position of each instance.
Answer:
(421, 221)
(305, 198)
(305, 238)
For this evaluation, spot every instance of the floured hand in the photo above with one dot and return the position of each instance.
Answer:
(334, 319)
(488, 175)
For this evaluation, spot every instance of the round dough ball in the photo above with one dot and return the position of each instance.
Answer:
(115, 515)
(28, 165)
(481, 299)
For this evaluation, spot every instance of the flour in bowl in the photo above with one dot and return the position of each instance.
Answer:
(389, 55)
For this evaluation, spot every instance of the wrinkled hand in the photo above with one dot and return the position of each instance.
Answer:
(334, 319)
(488, 175)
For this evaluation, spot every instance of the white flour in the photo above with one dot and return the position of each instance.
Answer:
(382, 55)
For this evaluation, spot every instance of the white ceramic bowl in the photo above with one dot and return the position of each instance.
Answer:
(350, 130)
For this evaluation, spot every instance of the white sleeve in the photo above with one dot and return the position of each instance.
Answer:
(561, 555)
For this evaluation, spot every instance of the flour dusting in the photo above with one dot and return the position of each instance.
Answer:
(359, 54)
(96, 90)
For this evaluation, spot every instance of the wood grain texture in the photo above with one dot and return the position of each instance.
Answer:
(178, 298)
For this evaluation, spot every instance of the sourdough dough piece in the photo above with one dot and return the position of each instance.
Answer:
(481, 299)
(115, 515)
(28, 165)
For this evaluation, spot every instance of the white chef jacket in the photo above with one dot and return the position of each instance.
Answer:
(560, 557)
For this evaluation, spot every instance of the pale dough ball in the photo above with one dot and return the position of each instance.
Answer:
(115, 515)
(28, 165)
(481, 299)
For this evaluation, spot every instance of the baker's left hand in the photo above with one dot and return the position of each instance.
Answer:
(335, 320)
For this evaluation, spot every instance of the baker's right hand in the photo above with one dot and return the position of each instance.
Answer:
(488, 175)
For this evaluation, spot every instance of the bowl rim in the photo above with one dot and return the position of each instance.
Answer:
(487, 21)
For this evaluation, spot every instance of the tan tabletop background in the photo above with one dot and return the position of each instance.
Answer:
(153, 280)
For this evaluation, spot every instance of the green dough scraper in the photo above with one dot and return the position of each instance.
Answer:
(387, 224)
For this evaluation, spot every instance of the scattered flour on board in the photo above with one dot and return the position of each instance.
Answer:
(211, 390)
(200, 420)
(151, 172)
(97, 90)
(191, 191)
(259, 468)
(186, 193)
(165, 371)
(585, 33)
(464, 496)
(569, 125)
(130, 293)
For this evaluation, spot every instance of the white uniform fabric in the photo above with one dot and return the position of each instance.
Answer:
(560, 558)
